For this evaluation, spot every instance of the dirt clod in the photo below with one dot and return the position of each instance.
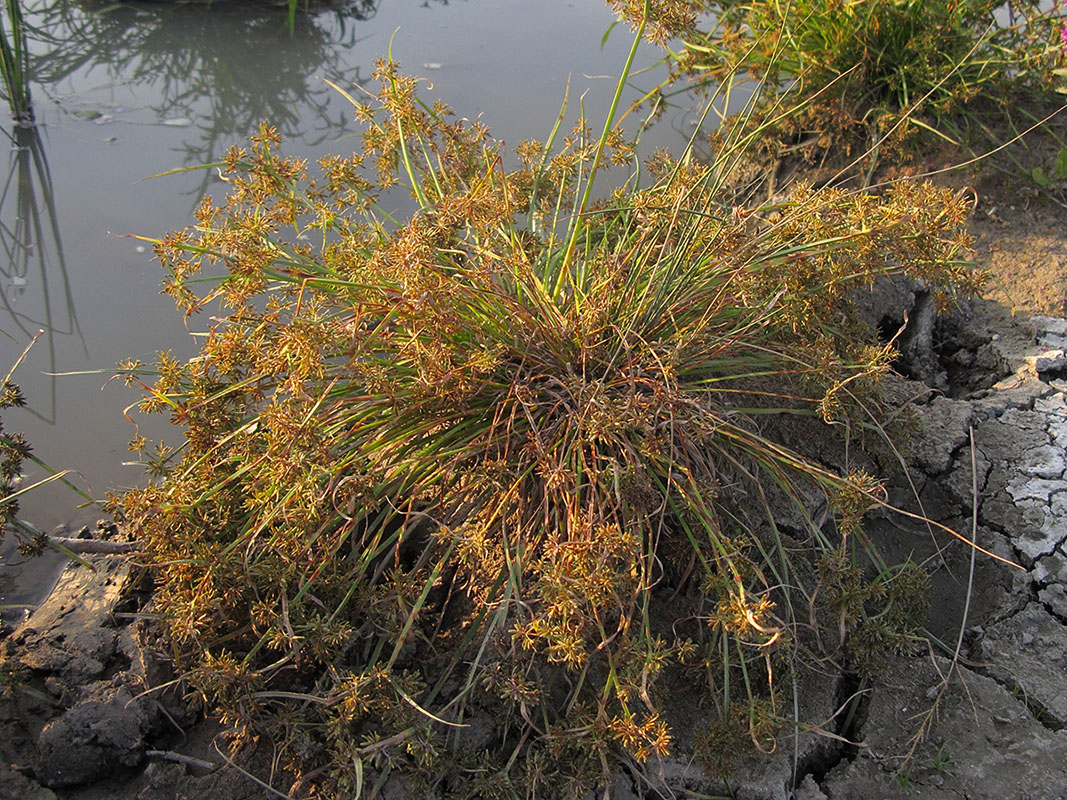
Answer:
(91, 740)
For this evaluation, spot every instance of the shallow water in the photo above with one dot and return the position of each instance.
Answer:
(126, 92)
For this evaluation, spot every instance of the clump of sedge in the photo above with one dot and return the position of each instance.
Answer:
(506, 462)
(879, 71)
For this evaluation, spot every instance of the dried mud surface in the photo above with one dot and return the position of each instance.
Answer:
(982, 716)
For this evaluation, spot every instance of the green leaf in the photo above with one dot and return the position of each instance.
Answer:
(1061, 165)
(1040, 178)
(607, 33)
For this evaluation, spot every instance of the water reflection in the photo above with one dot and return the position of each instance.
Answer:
(219, 70)
(34, 285)
(35, 291)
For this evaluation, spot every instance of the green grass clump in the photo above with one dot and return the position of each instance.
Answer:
(469, 495)
(878, 70)
(14, 62)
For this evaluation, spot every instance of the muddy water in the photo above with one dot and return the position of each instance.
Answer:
(124, 92)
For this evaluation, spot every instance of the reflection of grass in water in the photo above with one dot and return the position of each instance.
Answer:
(245, 68)
(32, 251)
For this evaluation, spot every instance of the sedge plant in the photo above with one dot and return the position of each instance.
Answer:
(14, 64)
(467, 495)
(880, 71)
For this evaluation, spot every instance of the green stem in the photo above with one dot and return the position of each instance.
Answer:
(576, 228)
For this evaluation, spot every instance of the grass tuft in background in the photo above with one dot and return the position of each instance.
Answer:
(887, 73)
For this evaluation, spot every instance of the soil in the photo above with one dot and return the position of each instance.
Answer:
(92, 711)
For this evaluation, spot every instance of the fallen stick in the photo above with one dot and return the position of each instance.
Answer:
(98, 546)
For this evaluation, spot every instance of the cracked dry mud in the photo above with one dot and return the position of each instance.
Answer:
(87, 731)
(1000, 732)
